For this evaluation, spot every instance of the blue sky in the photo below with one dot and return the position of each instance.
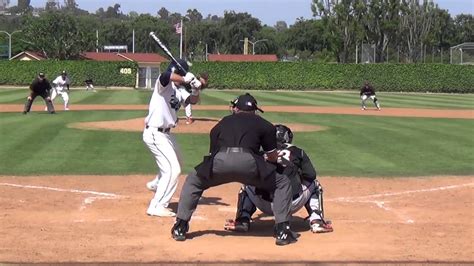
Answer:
(268, 11)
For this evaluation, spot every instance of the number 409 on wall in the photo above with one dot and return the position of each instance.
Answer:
(126, 71)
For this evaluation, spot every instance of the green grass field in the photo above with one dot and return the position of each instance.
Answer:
(42, 144)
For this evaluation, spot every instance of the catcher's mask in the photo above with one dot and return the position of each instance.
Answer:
(283, 134)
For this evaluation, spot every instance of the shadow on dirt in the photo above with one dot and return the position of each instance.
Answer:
(261, 228)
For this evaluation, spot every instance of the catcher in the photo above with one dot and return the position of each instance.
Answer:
(306, 189)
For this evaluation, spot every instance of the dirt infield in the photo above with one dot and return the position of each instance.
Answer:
(397, 112)
(102, 219)
(200, 125)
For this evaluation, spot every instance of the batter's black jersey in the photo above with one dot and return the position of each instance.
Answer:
(367, 90)
(245, 130)
(40, 86)
(296, 165)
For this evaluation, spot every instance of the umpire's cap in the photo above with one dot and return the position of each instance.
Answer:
(246, 102)
(173, 67)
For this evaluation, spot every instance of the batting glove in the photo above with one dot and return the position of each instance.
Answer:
(195, 84)
(189, 77)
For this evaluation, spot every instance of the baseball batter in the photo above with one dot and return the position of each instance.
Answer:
(306, 190)
(61, 87)
(162, 117)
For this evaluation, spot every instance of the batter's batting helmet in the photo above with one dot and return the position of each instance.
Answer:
(283, 134)
(174, 68)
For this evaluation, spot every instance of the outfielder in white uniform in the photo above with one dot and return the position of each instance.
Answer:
(162, 117)
(61, 87)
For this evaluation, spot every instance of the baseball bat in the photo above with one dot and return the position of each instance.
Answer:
(167, 52)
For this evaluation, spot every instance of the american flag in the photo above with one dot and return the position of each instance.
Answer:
(178, 28)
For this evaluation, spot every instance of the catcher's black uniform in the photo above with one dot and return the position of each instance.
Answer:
(307, 191)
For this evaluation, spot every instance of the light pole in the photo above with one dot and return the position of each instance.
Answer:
(10, 41)
(254, 43)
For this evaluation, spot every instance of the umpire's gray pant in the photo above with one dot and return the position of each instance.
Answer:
(235, 167)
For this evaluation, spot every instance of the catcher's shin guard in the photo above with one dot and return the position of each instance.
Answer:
(315, 202)
(315, 209)
(245, 210)
(245, 207)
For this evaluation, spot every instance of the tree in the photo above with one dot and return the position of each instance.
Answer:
(341, 21)
(51, 6)
(416, 22)
(163, 13)
(380, 23)
(59, 38)
(23, 7)
(281, 26)
(70, 4)
(464, 28)
(193, 15)
(143, 25)
(235, 27)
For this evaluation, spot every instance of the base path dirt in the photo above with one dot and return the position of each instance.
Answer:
(47, 219)
(200, 125)
(397, 112)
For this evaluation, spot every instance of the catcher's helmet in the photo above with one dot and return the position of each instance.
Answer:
(173, 67)
(283, 134)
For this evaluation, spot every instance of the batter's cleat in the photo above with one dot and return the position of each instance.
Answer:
(66, 109)
(319, 226)
(364, 108)
(152, 185)
(160, 211)
(189, 120)
(179, 230)
(284, 236)
(25, 112)
(239, 225)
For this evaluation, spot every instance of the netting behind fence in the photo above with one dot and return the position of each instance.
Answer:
(462, 54)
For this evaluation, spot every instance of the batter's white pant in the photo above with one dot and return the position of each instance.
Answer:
(164, 148)
(64, 95)
(298, 203)
(188, 110)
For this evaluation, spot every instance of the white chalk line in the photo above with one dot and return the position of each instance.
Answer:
(381, 204)
(402, 192)
(85, 202)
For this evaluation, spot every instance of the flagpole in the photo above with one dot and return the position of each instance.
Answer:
(181, 41)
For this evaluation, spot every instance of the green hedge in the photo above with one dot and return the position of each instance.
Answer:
(314, 76)
(264, 75)
(102, 73)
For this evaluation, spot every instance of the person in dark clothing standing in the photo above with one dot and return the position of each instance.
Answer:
(39, 87)
(234, 156)
(366, 92)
